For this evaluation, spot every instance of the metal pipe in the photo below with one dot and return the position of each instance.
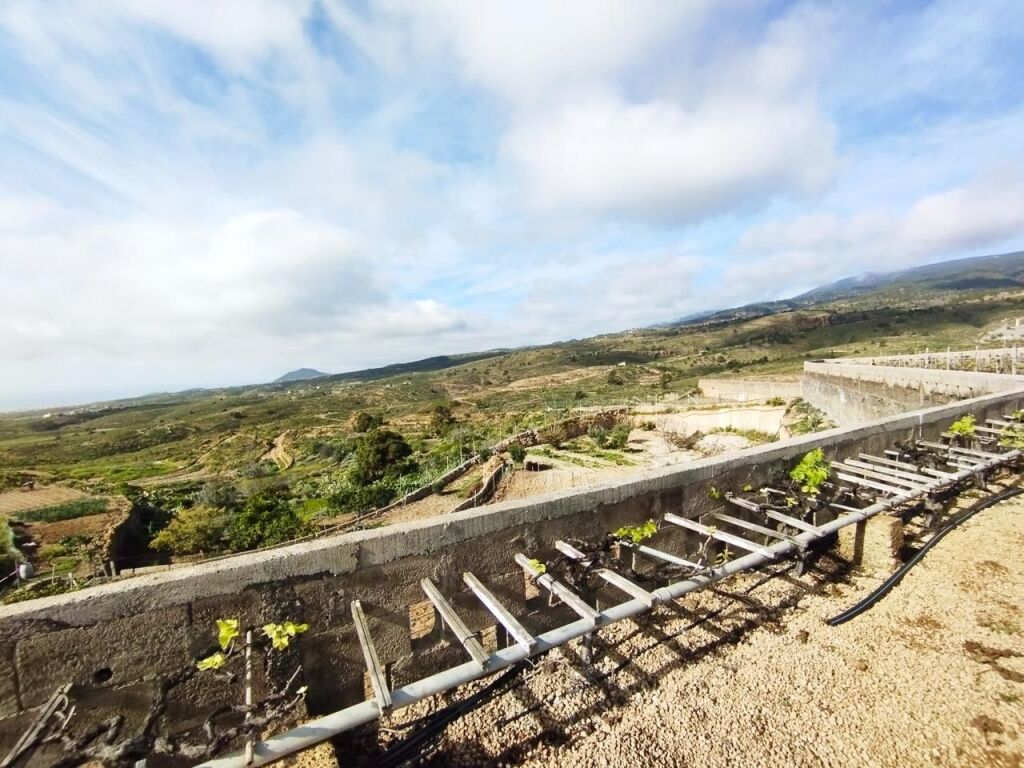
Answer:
(323, 728)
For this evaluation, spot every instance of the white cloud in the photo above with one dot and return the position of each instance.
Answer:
(532, 51)
(658, 160)
(812, 249)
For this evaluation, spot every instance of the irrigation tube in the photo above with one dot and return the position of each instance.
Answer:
(323, 728)
(887, 586)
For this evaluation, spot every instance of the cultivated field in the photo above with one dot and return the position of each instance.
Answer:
(21, 501)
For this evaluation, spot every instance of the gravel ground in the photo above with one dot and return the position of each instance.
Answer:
(751, 675)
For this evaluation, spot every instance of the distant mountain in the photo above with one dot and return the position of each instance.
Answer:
(976, 273)
(971, 274)
(300, 374)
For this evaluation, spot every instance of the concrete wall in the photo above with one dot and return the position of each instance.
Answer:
(744, 390)
(150, 625)
(853, 393)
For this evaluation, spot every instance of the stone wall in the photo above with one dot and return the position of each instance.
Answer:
(110, 639)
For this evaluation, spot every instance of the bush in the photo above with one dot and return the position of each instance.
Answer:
(223, 495)
(517, 452)
(364, 421)
(351, 498)
(381, 454)
(267, 518)
(615, 378)
(484, 454)
(193, 530)
(599, 435)
(441, 418)
(776, 401)
(618, 438)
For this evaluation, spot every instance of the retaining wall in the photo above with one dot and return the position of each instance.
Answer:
(853, 393)
(742, 390)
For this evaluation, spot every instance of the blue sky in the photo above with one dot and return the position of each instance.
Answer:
(199, 193)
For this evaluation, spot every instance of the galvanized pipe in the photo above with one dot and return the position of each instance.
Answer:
(323, 728)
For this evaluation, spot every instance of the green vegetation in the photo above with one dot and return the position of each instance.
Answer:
(637, 534)
(753, 435)
(381, 454)
(9, 554)
(66, 511)
(364, 421)
(811, 471)
(806, 418)
(40, 589)
(517, 453)
(964, 426)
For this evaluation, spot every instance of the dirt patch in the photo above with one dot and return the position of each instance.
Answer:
(279, 453)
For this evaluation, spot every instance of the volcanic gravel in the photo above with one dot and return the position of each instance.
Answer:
(750, 674)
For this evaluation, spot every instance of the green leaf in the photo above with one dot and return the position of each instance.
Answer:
(811, 471)
(539, 568)
(636, 533)
(216, 661)
(227, 630)
(294, 629)
(278, 636)
(964, 426)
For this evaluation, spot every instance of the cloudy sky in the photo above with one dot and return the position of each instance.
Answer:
(209, 192)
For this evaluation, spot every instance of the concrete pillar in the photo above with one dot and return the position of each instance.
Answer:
(873, 545)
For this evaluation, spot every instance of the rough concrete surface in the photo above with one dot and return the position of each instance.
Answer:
(932, 675)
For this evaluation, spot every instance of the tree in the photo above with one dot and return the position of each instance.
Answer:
(381, 453)
(441, 418)
(193, 530)
(364, 421)
(517, 452)
(267, 518)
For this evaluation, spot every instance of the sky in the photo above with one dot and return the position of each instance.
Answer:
(214, 192)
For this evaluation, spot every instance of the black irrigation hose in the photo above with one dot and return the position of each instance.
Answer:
(414, 746)
(895, 579)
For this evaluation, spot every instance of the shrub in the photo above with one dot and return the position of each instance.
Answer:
(517, 452)
(381, 454)
(193, 530)
(599, 435)
(776, 401)
(484, 454)
(811, 471)
(349, 498)
(267, 518)
(614, 378)
(364, 421)
(219, 494)
(441, 418)
(619, 437)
